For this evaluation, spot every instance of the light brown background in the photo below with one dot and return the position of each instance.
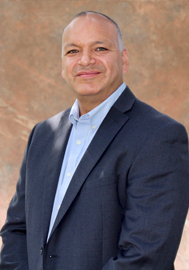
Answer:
(156, 34)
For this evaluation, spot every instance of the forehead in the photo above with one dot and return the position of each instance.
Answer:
(90, 27)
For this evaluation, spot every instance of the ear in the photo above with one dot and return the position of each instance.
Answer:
(125, 60)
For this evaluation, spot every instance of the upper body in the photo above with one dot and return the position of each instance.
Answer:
(127, 201)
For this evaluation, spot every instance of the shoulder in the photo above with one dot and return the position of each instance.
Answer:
(47, 129)
(145, 121)
(152, 119)
(52, 123)
(157, 129)
(142, 114)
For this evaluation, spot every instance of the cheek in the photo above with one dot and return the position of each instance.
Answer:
(67, 65)
(111, 67)
(66, 72)
(63, 74)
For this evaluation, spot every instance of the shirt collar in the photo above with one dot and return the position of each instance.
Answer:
(96, 115)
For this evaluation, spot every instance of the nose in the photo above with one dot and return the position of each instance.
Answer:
(86, 59)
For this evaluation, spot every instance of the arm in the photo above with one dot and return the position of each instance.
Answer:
(14, 249)
(157, 203)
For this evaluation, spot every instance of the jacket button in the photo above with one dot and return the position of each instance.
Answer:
(41, 250)
(52, 256)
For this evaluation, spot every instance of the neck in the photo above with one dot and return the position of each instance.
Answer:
(87, 107)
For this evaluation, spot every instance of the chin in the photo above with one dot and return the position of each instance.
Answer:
(85, 91)
(88, 92)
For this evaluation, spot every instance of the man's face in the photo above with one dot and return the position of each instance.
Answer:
(92, 63)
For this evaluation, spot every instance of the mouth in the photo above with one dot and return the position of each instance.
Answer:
(88, 74)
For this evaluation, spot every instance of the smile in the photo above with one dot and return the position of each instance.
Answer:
(88, 74)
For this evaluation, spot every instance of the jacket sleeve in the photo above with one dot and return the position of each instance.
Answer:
(14, 248)
(157, 203)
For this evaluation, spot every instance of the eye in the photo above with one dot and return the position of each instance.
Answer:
(99, 49)
(72, 51)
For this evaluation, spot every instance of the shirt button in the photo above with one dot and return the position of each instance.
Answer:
(59, 207)
(69, 174)
(93, 127)
(78, 142)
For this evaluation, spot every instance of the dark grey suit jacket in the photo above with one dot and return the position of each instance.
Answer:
(125, 207)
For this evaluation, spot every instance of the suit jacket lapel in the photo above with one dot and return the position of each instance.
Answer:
(61, 136)
(111, 125)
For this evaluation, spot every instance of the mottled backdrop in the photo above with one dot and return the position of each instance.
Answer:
(156, 33)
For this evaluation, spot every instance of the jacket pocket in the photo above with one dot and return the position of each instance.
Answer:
(99, 182)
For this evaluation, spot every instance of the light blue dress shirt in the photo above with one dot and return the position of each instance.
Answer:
(82, 133)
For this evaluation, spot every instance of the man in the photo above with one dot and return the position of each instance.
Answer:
(103, 186)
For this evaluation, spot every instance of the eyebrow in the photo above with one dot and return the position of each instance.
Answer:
(71, 45)
(93, 43)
